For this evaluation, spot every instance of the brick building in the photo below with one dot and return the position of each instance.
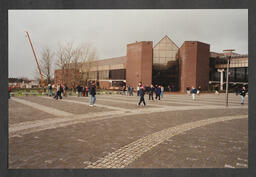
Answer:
(164, 64)
(194, 65)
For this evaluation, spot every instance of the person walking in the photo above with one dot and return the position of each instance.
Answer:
(141, 94)
(151, 92)
(83, 90)
(9, 92)
(243, 92)
(131, 91)
(61, 90)
(138, 91)
(65, 90)
(162, 91)
(79, 90)
(49, 90)
(58, 92)
(158, 92)
(86, 90)
(193, 91)
(92, 91)
(124, 89)
(169, 88)
(198, 90)
(216, 90)
(188, 90)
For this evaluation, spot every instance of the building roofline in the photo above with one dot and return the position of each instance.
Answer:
(110, 58)
(168, 38)
(138, 42)
(197, 42)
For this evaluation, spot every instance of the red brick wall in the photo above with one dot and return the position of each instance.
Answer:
(194, 65)
(147, 62)
(187, 65)
(202, 67)
(139, 63)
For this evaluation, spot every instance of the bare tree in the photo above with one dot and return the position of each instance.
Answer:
(75, 63)
(88, 56)
(64, 56)
(46, 64)
(75, 68)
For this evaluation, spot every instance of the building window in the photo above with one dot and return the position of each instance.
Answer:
(117, 74)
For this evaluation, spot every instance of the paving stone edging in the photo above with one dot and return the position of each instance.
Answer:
(129, 153)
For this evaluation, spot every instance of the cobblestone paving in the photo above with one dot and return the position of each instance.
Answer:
(219, 145)
(129, 153)
(93, 138)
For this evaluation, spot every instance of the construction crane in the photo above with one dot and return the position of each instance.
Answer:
(38, 66)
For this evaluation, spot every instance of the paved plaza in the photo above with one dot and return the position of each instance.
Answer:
(174, 132)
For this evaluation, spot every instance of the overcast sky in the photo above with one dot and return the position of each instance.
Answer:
(109, 31)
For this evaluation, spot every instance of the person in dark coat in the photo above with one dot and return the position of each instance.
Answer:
(141, 93)
(151, 92)
(158, 92)
(50, 89)
(243, 92)
(58, 92)
(193, 91)
(129, 90)
(79, 90)
(92, 91)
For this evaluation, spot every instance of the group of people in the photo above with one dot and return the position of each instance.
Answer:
(82, 90)
(141, 90)
(193, 91)
(62, 90)
(128, 91)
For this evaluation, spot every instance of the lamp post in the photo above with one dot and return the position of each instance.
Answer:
(228, 54)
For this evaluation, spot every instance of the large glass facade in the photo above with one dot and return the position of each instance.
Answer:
(165, 70)
(235, 75)
(167, 76)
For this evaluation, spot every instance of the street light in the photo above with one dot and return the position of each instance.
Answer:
(227, 54)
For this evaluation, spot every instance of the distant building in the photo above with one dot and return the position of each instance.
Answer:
(164, 64)
(238, 71)
(19, 83)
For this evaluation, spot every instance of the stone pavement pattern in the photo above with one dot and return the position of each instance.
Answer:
(173, 132)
